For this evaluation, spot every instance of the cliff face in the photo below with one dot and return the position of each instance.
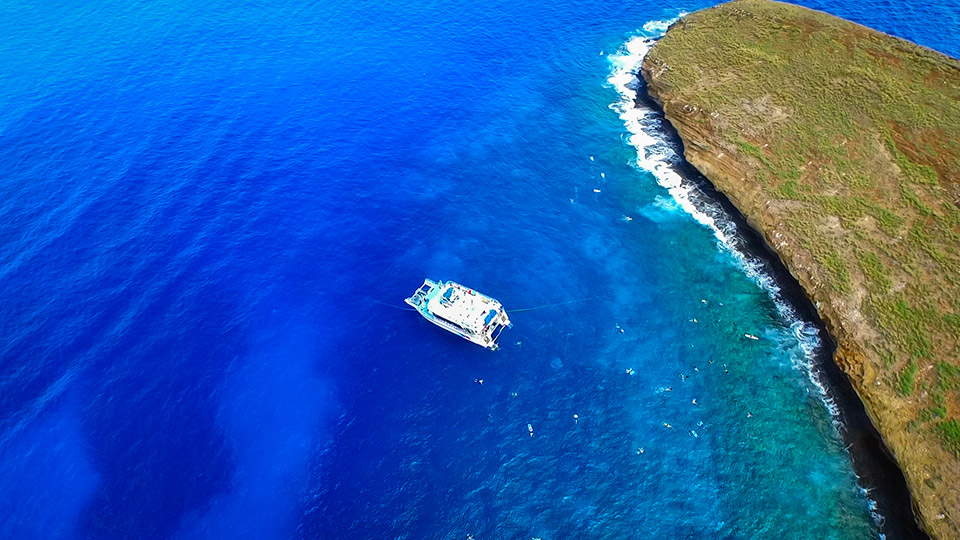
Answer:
(839, 144)
(734, 176)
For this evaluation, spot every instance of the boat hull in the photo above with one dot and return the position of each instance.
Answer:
(462, 311)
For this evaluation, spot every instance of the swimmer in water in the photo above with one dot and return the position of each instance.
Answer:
(530, 429)
(666, 425)
(576, 419)
(478, 381)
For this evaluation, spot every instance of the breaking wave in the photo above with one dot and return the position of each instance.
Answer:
(658, 155)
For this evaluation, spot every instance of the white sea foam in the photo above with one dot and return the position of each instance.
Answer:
(658, 156)
(658, 26)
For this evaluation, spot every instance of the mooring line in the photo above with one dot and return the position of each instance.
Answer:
(556, 304)
(391, 305)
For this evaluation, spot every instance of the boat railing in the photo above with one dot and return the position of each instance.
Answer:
(496, 333)
(419, 296)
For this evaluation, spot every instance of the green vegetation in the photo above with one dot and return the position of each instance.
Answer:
(912, 197)
(752, 150)
(873, 268)
(839, 274)
(907, 327)
(908, 378)
(851, 136)
(949, 430)
(788, 190)
(948, 376)
(858, 132)
(920, 174)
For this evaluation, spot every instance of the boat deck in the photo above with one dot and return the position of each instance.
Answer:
(463, 311)
(465, 307)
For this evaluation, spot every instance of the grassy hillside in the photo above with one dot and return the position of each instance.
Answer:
(850, 141)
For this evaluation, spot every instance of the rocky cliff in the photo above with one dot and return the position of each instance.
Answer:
(840, 145)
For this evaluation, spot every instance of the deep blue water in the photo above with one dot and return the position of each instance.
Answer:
(210, 214)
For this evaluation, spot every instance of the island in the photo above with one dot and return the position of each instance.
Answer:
(841, 146)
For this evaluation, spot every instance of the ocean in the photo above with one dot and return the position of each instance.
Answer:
(210, 215)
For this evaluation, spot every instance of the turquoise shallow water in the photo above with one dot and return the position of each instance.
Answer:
(211, 213)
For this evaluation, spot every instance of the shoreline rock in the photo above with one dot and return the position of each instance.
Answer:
(717, 111)
(875, 466)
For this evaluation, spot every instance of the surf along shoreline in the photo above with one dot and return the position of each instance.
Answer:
(876, 470)
(837, 144)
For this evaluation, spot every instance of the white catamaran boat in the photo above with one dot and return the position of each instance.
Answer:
(465, 312)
